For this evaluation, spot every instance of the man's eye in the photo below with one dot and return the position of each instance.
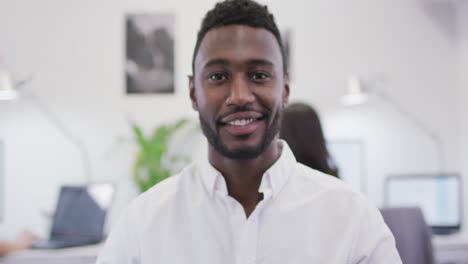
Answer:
(259, 76)
(219, 76)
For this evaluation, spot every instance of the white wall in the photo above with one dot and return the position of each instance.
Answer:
(463, 86)
(75, 49)
(412, 43)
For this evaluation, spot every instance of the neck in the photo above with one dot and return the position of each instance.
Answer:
(243, 177)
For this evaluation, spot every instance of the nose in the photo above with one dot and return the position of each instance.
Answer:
(241, 93)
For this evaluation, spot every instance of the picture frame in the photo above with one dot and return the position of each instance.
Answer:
(149, 53)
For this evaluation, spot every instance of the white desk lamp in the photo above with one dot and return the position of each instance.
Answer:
(358, 92)
(10, 91)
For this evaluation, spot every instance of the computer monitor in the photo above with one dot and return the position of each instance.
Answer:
(81, 211)
(438, 196)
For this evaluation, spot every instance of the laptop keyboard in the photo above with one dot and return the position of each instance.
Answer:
(53, 244)
(61, 260)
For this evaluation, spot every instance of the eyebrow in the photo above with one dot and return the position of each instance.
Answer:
(224, 62)
(260, 62)
(216, 62)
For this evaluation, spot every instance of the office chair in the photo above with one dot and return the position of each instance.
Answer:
(412, 235)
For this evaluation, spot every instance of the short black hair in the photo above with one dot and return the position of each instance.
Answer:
(239, 12)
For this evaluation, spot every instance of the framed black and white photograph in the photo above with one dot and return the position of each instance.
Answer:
(149, 65)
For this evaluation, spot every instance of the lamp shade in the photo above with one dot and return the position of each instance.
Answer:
(7, 91)
(355, 93)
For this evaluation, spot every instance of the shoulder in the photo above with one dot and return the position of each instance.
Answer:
(319, 191)
(306, 183)
(326, 193)
(315, 182)
(335, 196)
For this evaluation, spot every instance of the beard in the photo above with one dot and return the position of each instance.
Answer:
(245, 153)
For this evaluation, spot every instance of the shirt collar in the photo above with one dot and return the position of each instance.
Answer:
(273, 179)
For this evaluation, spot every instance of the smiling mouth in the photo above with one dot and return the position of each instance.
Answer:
(242, 123)
(241, 118)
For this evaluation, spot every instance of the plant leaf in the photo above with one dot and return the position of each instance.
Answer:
(149, 168)
(140, 138)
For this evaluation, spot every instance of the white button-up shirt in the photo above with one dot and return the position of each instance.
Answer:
(305, 217)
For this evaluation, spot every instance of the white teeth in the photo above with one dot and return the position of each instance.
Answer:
(241, 122)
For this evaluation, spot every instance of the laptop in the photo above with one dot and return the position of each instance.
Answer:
(79, 217)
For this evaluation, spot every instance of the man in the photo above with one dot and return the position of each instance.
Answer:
(250, 201)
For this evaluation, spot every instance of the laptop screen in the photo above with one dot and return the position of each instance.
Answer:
(81, 211)
(438, 196)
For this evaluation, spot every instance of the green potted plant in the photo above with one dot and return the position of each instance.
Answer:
(153, 163)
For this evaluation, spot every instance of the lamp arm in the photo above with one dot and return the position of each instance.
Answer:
(60, 126)
(433, 135)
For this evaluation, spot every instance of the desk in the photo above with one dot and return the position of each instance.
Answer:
(452, 249)
(77, 255)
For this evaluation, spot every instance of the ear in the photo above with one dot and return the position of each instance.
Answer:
(193, 96)
(286, 90)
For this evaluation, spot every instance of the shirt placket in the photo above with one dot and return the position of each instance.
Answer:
(245, 232)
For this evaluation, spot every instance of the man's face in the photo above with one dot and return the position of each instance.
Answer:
(239, 89)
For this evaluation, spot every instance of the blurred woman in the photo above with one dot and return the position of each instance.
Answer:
(302, 130)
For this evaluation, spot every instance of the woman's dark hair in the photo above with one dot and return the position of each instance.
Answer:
(301, 129)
